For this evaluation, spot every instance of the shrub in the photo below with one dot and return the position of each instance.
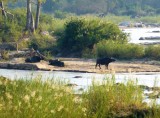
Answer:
(112, 100)
(60, 14)
(80, 34)
(119, 50)
(153, 52)
(5, 54)
(42, 43)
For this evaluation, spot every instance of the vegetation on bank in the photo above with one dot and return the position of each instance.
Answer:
(98, 7)
(51, 98)
(77, 36)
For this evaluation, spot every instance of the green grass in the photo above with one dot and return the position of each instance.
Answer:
(35, 98)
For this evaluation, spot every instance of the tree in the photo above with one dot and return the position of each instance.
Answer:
(80, 34)
(28, 19)
(39, 3)
(2, 9)
(30, 25)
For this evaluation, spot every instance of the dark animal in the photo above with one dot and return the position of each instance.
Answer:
(34, 59)
(104, 61)
(56, 62)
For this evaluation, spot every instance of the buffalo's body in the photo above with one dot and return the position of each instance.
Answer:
(104, 61)
(56, 63)
(34, 59)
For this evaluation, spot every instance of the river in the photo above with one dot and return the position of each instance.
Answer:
(83, 80)
(136, 33)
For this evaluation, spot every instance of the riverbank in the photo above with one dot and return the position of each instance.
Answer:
(85, 65)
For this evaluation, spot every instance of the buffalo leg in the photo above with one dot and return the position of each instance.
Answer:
(99, 66)
(106, 66)
(96, 65)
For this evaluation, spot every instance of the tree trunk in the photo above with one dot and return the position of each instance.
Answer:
(28, 20)
(17, 46)
(37, 14)
(2, 8)
(32, 24)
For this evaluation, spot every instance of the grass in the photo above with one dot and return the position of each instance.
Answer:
(38, 99)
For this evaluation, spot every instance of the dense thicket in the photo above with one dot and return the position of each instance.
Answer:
(117, 7)
(82, 34)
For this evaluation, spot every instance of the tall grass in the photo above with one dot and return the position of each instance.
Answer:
(119, 50)
(114, 100)
(153, 52)
(35, 98)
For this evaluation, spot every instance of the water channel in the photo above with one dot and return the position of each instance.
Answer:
(136, 33)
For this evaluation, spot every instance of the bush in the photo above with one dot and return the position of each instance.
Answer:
(112, 100)
(60, 14)
(80, 34)
(119, 50)
(42, 43)
(153, 52)
(5, 54)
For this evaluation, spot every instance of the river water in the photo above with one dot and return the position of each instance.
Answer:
(83, 80)
(136, 33)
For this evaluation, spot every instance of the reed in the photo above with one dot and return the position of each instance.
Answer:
(34, 98)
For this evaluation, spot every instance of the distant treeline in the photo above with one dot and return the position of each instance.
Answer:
(101, 7)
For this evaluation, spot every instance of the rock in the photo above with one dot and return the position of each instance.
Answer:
(153, 95)
(20, 66)
(145, 87)
(72, 85)
(77, 77)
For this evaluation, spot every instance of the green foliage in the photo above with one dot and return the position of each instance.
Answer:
(57, 26)
(153, 52)
(60, 14)
(119, 50)
(50, 98)
(80, 34)
(11, 30)
(42, 43)
(5, 54)
(7, 31)
(111, 100)
(116, 7)
(36, 99)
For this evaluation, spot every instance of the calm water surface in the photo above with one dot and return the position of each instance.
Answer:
(136, 33)
(85, 79)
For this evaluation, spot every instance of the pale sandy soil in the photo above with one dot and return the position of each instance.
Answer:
(88, 65)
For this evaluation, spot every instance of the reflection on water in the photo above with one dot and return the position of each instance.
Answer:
(136, 33)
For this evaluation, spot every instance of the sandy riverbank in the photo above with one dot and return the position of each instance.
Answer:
(87, 65)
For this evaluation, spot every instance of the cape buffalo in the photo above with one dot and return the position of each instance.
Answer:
(34, 59)
(104, 61)
(56, 62)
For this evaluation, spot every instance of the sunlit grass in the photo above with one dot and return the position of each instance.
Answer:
(35, 98)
